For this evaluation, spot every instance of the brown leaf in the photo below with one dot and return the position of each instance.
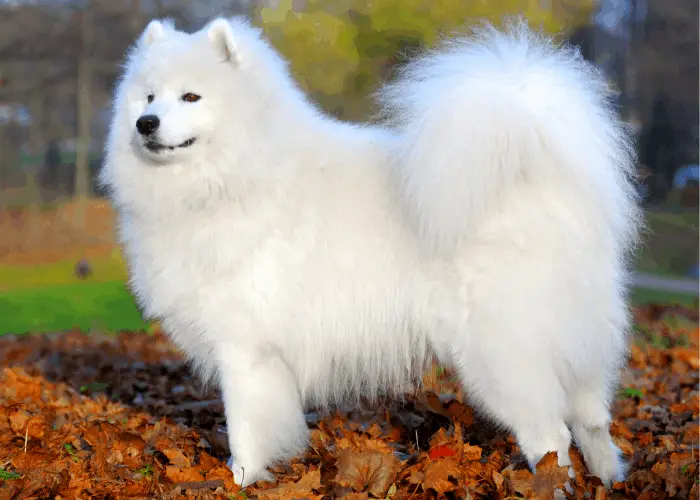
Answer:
(441, 438)
(625, 446)
(520, 481)
(183, 475)
(499, 482)
(674, 479)
(18, 421)
(471, 452)
(129, 448)
(414, 474)
(438, 474)
(300, 489)
(694, 491)
(461, 413)
(369, 471)
(175, 455)
(549, 476)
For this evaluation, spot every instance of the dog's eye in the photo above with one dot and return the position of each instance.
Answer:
(151, 97)
(190, 97)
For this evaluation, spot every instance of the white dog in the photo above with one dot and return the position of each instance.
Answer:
(300, 261)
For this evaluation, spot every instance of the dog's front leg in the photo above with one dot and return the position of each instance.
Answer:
(264, 415)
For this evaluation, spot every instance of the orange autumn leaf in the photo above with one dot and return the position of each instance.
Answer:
(549, 476)
(520, 481)
(442, 476)
(183, 475)
(369, 471)
(441, 451)
(498, 482)
(471, 452)
(303, 488)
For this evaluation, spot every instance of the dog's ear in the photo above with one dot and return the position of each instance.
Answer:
(155, 30)
(221, 36)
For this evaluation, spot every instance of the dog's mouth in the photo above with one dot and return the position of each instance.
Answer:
(156, 147)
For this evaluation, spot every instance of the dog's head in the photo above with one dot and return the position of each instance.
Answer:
(179, 88)
(192, 113)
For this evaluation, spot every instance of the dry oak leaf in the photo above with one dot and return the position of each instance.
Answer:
(625, 446)
(498, 482)
(20, 385)
(674, 473)
(300, 489)
(129, 448)
(101, 438)
(461, 413)
(183, 475)
(166, 446)
(440, 438)
(369, 471)
(549, 476)
(18, 421)
(414, 474)
(519, 481)
(471, 452)
(438, 474)
(215, 469)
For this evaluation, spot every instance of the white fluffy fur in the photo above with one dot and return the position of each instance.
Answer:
(303, 261)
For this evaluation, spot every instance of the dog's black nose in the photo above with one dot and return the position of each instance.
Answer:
(147, 124)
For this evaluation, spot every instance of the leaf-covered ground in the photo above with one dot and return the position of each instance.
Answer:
(121, 417)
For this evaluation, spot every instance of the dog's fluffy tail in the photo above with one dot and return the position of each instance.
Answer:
(481, 115)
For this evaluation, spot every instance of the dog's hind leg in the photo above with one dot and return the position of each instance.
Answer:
(531, 407)
(507, 367)
(590, 421)
(264, 415)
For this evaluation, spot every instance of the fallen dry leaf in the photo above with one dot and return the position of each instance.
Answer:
(303, 488)
(183, 475)
(549, 476)
(442, 476)
(370, 471)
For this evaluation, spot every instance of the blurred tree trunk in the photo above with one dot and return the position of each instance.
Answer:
(4, 166)
(136, 17)
(33, 170)
(82, 152)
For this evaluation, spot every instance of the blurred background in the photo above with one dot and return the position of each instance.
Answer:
(59, 265)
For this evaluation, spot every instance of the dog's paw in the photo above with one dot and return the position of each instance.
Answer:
(244, 477)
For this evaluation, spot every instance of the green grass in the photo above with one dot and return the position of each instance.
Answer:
(104, 269)
(49, 297)
(670, 242)
(629, 392)
(106, 306)
(8, 476)
(70, 449)
(146, 471)
(641, 296)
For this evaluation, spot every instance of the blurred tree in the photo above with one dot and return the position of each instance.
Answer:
(665, 56)
(341, 50)
(44, 49)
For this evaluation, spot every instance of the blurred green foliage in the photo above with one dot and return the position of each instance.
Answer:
(340, 50)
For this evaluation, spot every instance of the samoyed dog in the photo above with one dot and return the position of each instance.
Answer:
(301, 262)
